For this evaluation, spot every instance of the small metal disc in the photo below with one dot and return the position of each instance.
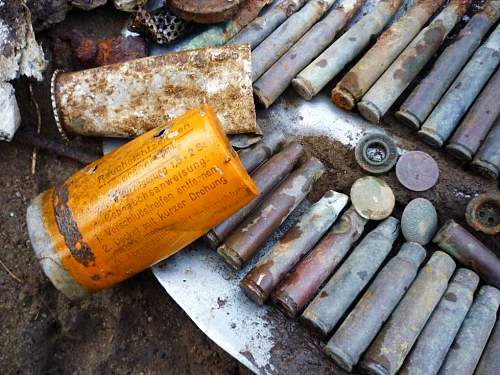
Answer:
(376, 153)
(372, 198)
(204, 11)
(417, 171)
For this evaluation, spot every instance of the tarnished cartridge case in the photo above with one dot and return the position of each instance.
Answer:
(478, 122)
(426, 95)
(326, 309)
(284, 255)
(487, 160)
(257, 30)
(326, 66)
(130, 98)
(266, 178)
(281, 39)
(387, 353)
(254, 156)
(405, 68)
(468, 250)
(138, 204)
(454, 104)
(254, 231)
(435, 340)
(365, 320)
(389, 45)
(490, 360)
(277, 78)
(469, 344)
(301, 284)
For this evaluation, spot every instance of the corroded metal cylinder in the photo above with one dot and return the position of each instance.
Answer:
(326, 66)
(490, 360)
(478, 122)
(325, 311)
(254, 156)
(373, 64)
(257, 30)
(445, 117)
(301, 284)
(426, 95)
(487, 160)
(281, 39)
(266, 178)
(469, 344)
(405, 68)
(365, 320)
(435, 340)
(284, 255)
(251, 234)
(277, 78)
(387, 353)
(468, 250)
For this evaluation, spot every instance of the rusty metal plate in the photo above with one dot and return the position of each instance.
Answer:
(205, 11)
(417, 171)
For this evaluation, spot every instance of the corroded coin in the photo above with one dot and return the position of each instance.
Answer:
(372, 198)
(417, 171)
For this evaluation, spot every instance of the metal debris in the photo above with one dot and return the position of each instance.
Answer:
(254, 156)
(487, 160)
(483, 213)
(376, 153)
(372, 198)
(129, 5)
(417, 171)
(203, 11)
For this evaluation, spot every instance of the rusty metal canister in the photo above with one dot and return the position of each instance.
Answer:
(301, 284)
(284, 255)
(365, 320)
(435, 340)
(426, 95)
(253, 232)
(389, 45)
(138, 204)
(469, 344)
(468, 250)
(277, 78)
(490, 360)
(387, 353)
(255, 155)
(478, 122)
(266, 178)
(445, 117)
(327, 308)
(326, 66)
(382, 95)
(130, 98)
(257, 30)
(487, 160)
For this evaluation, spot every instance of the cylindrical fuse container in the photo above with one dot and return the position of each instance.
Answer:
(138, 204)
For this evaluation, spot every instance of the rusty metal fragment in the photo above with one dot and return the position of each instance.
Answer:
(468, 250)
(205, 11)
(483, 213)
(277, 78)
(389, 45)
(424, 98)
(254, 156)
(45, 13)
(365, 320)
(490, 360)
(272, 268)
(382, 95)
(387, 353)
(127, 99)
(327, 308)
(303, 282)
(487, 160)
(247, 239)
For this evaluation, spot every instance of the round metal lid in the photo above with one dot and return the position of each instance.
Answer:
(372, 198)
(376, 153)
(417, 171)
(204, 11)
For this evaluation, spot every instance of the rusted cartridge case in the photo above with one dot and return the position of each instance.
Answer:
(387, 353)
(426, 95)
(257, 30)
(435, 340)
(468, 250)
(254, 156)
(405, 68)
(365, 320)
(251, 234)
(478, 122)
(487, 160)
(326, 66)
(277, 78)
(389, 45)
(266, 178)
(326, 309)
(270, 270)
(490, 360)
(298, 288)
(447, 114)
(469, 344)
(281, 39)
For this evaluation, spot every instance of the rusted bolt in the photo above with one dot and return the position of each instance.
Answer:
(483, 213)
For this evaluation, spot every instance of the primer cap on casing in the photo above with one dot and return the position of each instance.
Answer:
(372, 198)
